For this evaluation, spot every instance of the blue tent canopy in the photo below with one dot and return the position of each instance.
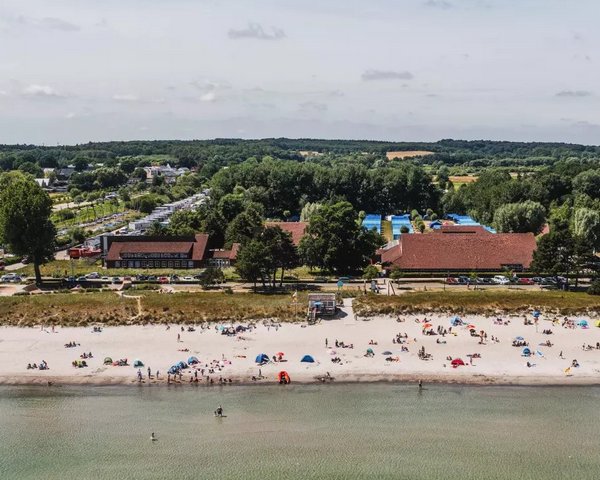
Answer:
(526, 351)
(519, 339)
(454, 321)
(536, 313)
(193, 360)
(583, 323)
(173, 370)
(307, 359)
(262, 358)
(138, 363)
(182, 365)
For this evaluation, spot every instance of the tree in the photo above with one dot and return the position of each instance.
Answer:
(245, 226)
(588, 183)
(31, 168)
(157, 230)
(80, 164)
(77, 234)
(212, 276)
(585, 223)
(25, 224)
(337, 241)
(185, 222)
(370, 272)
(281, 251)
(522, 217)
(251, 260)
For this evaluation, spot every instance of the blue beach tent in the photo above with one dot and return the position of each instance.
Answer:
(182, 365)
(583, 323)
(526, 352)
(262, 358)
(193, 360)
(307, 359)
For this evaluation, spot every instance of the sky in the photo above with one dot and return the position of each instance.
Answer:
(73, 71)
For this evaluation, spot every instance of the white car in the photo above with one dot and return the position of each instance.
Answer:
(10, 277)
(188, 279)
(92, 276)
(500, 280)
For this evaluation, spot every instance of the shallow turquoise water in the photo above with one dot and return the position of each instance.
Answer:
(330, 431)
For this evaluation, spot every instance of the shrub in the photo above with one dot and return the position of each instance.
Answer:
(594, 287)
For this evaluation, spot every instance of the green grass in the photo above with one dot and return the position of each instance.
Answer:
(73, 309)
(478, 302)
(86, 214)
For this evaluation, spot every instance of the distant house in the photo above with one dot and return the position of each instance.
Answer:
(461, 248)
(167, 172)
(65, 173)
(296, 229)
(155, 252)
(43, 182)
(223, 258)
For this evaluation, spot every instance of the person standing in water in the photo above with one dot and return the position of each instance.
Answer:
(420, 384)
(219, 411)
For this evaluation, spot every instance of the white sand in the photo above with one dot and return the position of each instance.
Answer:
(500, 363)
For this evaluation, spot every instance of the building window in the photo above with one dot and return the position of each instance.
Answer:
(117, 264)
(190, 264)
(164, 264)
(170, 264)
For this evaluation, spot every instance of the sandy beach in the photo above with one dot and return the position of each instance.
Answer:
(233, 357)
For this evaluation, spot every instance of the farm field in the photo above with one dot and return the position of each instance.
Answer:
(407, 154)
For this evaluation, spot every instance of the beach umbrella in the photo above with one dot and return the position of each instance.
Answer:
(370, 350)
(519, 339)
(427, 325)
(471, 327)
(193, 360)
(387, 352)
(536, 313)
(280, 354)
(108, 361)
(456, 362)
(138, 363)
(526, 352)
(583, 323)
(307, 359)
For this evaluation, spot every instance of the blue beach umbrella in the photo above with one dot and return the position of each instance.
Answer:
(307, 359)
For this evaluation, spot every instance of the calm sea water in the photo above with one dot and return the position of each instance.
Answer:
(332, 431)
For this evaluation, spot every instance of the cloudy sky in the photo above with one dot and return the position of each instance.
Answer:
(74, 71)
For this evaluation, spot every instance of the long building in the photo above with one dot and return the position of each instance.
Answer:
(461, 249)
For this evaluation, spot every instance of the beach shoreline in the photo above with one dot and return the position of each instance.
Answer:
(344, 350)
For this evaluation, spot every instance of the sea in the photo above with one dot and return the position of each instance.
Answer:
(350, 431)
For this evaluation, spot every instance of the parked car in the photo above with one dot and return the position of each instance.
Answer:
(526, 281)
(141, 278)
(82, 279)
(10, 278)
(163, 280)
(537, 280)
(500, 280)
(115, 280)
(93, 276)
(127, 279)
(451, 280)
(151, 278)
(105, 278)
(323, 279)
(188, 279)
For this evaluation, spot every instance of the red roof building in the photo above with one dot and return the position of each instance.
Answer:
(155, 252)
(461, 249)
(223, 258)
(297, 229)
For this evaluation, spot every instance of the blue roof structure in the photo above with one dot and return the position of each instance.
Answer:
(399, 221)
(372, 221)
(466, 220)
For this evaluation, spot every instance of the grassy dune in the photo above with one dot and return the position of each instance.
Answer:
(479, 302)
(73, 309)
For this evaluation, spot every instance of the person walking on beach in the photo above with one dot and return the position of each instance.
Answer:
(326, 343)
(149, 373)
(178, 337)
(139, 375)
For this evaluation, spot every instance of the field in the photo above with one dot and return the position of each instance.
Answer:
(458, 180)
(478, 302)
(401, 155)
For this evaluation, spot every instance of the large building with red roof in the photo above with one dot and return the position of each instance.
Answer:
(461, 249)
(155, 252)
(296, 229)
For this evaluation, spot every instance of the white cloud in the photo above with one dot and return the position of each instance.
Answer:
(255, 30)
(125, 97)
(574, 93)
(370, 75)
(35, 90)
(208, 97)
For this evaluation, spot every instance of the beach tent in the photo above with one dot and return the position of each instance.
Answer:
(262, 358)
(519, 339)
(427, 325)
(108, 361)
(370, 350)
(173, 370)
(526, 352)
(456, 362)
(138, 363)
(583, 323)
(387, 352)
(307, 359)
(536, 313)
(182, 365)
(454, 321)
(598, 323)
(193, 360)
